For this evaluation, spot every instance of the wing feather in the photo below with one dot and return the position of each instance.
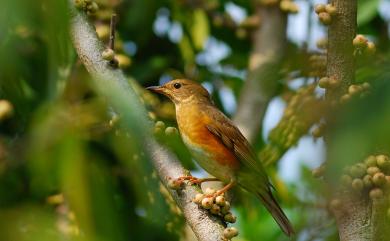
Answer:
(231, 137)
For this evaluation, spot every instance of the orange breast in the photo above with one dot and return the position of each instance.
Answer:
(192, 124)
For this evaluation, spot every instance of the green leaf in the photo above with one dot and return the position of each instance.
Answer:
(200, 28)
(367, 10)
(186, 50)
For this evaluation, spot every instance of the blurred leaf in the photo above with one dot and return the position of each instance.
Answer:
(200, 28)
(367, 10)
(186, 50)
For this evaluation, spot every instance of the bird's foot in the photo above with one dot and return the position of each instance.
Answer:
(194, 180)
(221, 191)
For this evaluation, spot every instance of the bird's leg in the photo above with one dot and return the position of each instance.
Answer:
(223, 190)
(194, 180)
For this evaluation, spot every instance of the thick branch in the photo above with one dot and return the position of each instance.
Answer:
(264, 64)
(361, 219)
(341, 62)
(125, 102)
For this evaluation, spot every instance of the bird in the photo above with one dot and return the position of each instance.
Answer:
(218, 146)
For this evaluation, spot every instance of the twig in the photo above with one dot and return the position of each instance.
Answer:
(111, 44)
(108, 81)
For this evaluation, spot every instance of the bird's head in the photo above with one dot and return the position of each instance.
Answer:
(182, 91)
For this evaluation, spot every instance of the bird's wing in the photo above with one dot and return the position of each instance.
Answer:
(231, 137)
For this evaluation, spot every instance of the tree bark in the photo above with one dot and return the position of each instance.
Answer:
(108, 81)
(360, 218)
(263, 70)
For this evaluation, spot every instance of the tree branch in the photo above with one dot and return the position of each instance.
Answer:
(360, 218)
(264, 64)
(112, 84)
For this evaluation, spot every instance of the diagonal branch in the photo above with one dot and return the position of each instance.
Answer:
(126, 102)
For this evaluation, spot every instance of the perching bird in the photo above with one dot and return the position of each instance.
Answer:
(218, 145)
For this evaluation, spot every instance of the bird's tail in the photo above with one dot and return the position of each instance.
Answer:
(277, 213)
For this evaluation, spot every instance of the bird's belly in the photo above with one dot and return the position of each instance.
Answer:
(207, 161)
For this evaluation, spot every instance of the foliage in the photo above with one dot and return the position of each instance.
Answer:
(68, 169)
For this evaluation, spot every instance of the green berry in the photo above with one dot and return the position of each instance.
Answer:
(171, 131)
(357, 184)
(383, 161)
(215, 209)
(225, 208)
(346, 180)
(230, 218)
(160, 124)
(357, 171)
(370, 161)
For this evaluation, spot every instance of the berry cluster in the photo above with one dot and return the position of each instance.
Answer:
(159, 128)
(325, 13)
(296, 121)
(360, 90)
(362, 45)
(371, 176)
(88, 6)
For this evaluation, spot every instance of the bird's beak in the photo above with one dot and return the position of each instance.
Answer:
(157, 89)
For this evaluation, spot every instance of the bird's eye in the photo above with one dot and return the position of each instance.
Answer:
(177, 85)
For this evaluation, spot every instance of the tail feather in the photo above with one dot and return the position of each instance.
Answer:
(277, 213)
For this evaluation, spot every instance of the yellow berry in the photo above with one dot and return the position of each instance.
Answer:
(226, 208)
(198, 198)
(376, 193)
(324, 82)
(329, 8)
(230, 232)
(220, 200)
(210, 191)
(371, 49)
(335, 204)
(108, 54)
(373, 170)
(360, 41)
(215, 209)
(379, 179)
(325, 18)
(160, 124)
(319, 8)
(367, 181)
(230, 218)
(6, 109)
(207, 202)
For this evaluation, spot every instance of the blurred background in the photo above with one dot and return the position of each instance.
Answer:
(68, 172)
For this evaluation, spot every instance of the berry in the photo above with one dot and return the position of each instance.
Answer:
(220, 200)
(329, 8)
(230, 232)
(230, 218)
(360, 41)
(207, 203)
(379, 179)
(357, 184)
(376, 193)
(325, 18)
(319, 8)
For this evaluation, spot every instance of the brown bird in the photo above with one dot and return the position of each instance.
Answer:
(218, 145)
